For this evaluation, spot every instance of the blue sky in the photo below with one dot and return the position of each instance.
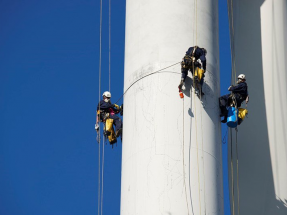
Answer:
(49, 60)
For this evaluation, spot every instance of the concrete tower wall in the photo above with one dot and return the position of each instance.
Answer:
(260, 53)
(171, 161)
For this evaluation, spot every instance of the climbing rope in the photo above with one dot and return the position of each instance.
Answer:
(232, 182)
(183, 163)
(231, 22)
(203, 157)
(238, 207)
(194, 102)
(100, 61)
(109, 45)
(155, 72)
(233, 81)
(103, 165)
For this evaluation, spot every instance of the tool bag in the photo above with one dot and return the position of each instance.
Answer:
(198, 73)
(109, 129)
(241, 114)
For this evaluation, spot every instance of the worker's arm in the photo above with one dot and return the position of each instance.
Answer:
(240, 88)
(116, 107)
(247, 99)
(203, 61)
(97, 123)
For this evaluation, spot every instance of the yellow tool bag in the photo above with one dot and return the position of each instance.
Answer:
(110, 131)
(199, 73)
(241, 114)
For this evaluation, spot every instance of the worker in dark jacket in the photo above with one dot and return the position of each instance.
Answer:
(240, 92)
(108, 110)
(190, 59)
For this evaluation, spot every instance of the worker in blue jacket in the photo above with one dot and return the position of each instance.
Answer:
(191, 58)
(240, 92)
(106, 110)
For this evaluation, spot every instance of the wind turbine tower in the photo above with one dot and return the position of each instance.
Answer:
(171, 160)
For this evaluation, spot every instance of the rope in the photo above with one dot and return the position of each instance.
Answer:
(109, 45)
(233, 80)
(231, 22)
(237, 175)
(183, 155)
(194, 101)
(100, 61)
(103, 165)
(158, 71)
(232, 182)
(203, 156)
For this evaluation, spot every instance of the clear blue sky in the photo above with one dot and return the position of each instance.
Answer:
(49, 59)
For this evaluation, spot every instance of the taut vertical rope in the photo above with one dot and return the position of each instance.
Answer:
(232, 182)
(100, 61)
(109, 45)
(183, 163)
(237, 175)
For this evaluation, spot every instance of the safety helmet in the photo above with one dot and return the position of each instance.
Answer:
(107, 94)
(241, 76)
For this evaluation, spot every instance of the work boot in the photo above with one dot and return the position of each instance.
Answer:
(107, 133)
(181, 84)
(119, 132)
(196, 80)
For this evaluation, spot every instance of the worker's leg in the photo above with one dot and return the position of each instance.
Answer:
(184, 72)
(239, 100)
(223, 102)
(201, 83)
(118, 124)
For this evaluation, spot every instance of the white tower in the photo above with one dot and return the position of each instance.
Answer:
(171, 161)
(260, 50)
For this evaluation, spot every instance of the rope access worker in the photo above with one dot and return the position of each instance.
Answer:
(240, 92)
(107, 110)
(190, 59)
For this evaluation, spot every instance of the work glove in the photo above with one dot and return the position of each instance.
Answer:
(97, 126)
(229, 88)
(116, 106)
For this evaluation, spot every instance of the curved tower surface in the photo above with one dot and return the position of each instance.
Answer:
(171, 159)
(260, 52)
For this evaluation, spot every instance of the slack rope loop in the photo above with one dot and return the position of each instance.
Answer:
(158, 71)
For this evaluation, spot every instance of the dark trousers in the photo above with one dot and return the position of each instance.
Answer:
(225, 101)
(117, 122)
(184, 72)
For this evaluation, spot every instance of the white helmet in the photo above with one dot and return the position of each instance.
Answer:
(107, 94)
(241, 76)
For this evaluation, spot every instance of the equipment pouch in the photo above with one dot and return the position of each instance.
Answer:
(199, 73)
(242, 113)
